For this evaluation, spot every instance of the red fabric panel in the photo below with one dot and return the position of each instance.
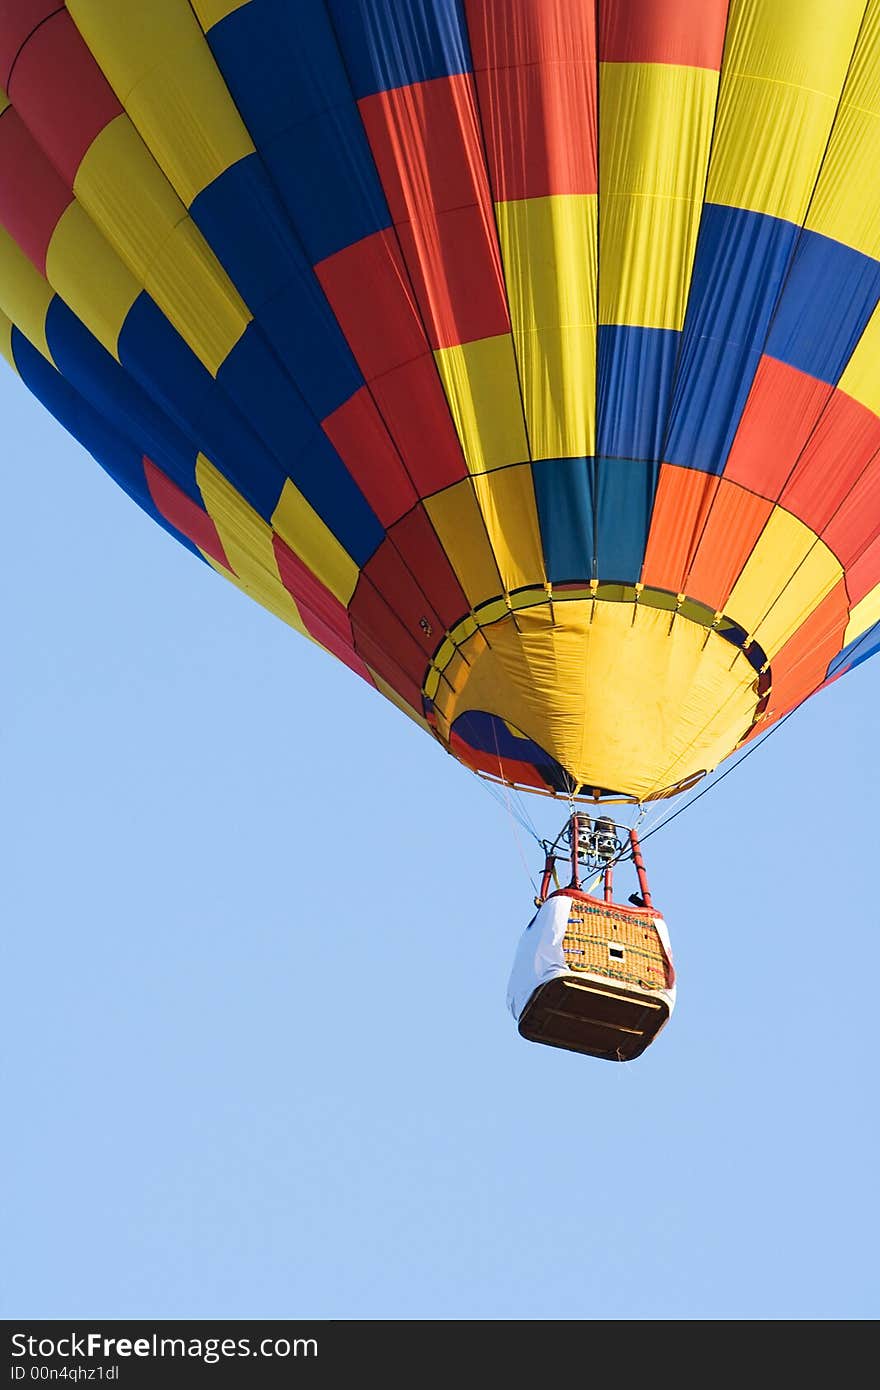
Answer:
(372, 619)
(18, 19)
(414, 408)
(359, 435)
(735, 521)
(330, 638)
(32, 195)
(428, 150)
(856, 524)
(523, 773)
(61, 94)
(323, 616)
(681, 506)
(686, 32)
(863, 574)
(379, 660)
(417, 541)
(386, 570)
(368, 289)
(827, 474)
(535, 68)
(782, 409)
(185, 515)
(799, 667)
(308, 590)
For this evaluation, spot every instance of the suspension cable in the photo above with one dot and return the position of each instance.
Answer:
(708, 786)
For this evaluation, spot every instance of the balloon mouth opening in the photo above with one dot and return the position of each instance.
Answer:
(657, 689)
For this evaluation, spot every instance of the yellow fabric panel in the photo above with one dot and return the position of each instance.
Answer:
(785, 62)
(444, 654)
(455, 670)
(4, 101)
(300, 527)
(83, 267)
(210, 12)
(865, 614)
(548, 246)
(481, 386)
(461, 530)
(391, 694)
(787, 575)
(432, 681)
(24, 295)
(247, 541)
(492, 612)
(846, 205)
(507, 501)
(527, 598)
(861, 376)
(288, 613)
(466, 628)
(130, 200)
(655, 128)
(157, 61)
(444, 705)
(196, 296)
(6, 340)
(126, 194)
(628, 705)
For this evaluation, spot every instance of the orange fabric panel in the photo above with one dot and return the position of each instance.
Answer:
(781, 411)
(863, 574)
(826, 488)
(736, 519)
(681, 506)
(689, 33)
(799, 667)
(856, 522)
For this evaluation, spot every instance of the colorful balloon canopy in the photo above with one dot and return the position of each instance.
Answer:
(524, 354)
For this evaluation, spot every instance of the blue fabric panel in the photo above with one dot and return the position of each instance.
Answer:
(118, 455)
(830, 294)
(625, 502)
(249, 231)
(158, 358)
(487, 733)
(739, 268)
(252, 376)
(106, 386)
(636, 367)
(283, 67)
(325, 173)
(859, 650)
(564, 495)
(393, 43)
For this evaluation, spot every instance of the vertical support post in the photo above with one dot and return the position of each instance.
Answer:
(575, 846)
(549, 863)
(640, 868)
(609, 883)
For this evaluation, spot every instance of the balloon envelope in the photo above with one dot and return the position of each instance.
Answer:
(524, 356)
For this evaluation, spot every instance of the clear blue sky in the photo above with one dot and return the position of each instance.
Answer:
(257, 930)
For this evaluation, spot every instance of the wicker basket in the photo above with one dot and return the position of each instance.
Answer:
(618, 994)
(607, 940)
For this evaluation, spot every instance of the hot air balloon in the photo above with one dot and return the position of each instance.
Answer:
(523, 354)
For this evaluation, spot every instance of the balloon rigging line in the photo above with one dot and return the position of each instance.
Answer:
(709, 786)
(759, 743)
(519, 813)
(510, 812)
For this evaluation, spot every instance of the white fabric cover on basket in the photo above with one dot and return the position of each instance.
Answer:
(539, 955)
